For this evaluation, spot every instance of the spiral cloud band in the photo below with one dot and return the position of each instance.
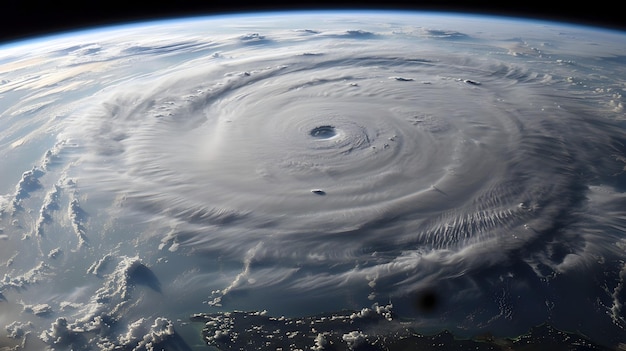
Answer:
(306, 164)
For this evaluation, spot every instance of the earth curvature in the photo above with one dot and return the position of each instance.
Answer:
(335, 180)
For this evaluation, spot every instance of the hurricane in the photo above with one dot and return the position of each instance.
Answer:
(470, 173)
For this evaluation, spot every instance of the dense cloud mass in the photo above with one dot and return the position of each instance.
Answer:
(468, 171)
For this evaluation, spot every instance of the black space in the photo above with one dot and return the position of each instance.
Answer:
(23, 18)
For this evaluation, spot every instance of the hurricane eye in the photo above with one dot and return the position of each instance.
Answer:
(323, 132)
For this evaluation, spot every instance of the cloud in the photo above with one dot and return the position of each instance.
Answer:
(192, 158)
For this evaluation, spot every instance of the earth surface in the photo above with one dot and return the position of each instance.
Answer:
(314, 180)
